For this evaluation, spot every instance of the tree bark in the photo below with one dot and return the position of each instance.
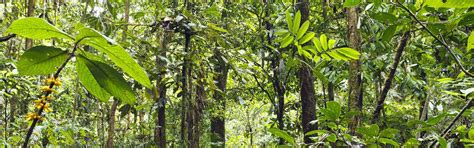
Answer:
(160, 128)
(355, 79)
(388, 82)
(30, 13)
(218, 120)
(307, 92)
(111, 130)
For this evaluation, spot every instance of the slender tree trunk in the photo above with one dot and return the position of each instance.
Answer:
(30, 13)
(160, 128)
(307, 92)
(218, 120)
(355, 79)
(388, 82)
(111, 122)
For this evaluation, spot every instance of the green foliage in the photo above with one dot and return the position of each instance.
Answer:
(447, 3)
(107, 78)
(41, 60)
(36, 28)
(282, 134)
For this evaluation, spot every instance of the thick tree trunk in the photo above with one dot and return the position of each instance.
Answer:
(388, 82)
(111, 130)
(307, 92)
(217, 119)
(355, 79)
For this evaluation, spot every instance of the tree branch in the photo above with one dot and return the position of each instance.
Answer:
(437, 39)
(6, 38)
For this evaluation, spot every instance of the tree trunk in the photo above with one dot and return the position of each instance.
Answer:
(307, 92)
(388, 82)
(218, 120)
(160, 128)
(111, 130)
(355, 79)
(30, 13)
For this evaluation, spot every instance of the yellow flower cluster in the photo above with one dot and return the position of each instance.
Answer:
(42, 103)
(32, 116)
(56, 81)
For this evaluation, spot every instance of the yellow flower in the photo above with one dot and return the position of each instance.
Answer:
(46, 89)
(46, 108)
(32, 116)
(56, 81)
(40, 103)
(49, 98)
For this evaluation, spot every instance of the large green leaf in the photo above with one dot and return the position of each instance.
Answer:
(36, 28)
(335, 108)
(351, 3)
(470, 42)
(282, 134)
(117, 54)
(388, 141)
(41, 60)
(107, 78)
(289, 20)
(88, 81)
(388, 33)
(307, 37)
(447, 3)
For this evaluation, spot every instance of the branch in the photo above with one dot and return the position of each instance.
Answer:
(437, 39)
(6, 38)
(47, 93)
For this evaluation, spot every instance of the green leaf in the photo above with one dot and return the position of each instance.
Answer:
(317, 44)
(331, 43)
(302, 30)
(88, 81)
(296, 22)
(388, 33)
(371, 130)
(86, 32)
(442, 142)
(36, 28)
(471, 134)
(281, 32)
(282, 134)
(470, 42)
(287, 42)
(349, 52)
(121, 58)
(351, 3)
(324, 42)
(449, 3)
(389, 133)
(106, 79)
(388, 141)
(319, 132)
(435, 120)
(307, 37)
(41, 60)
(289, 20)
(332, 137)
(335, 108)
(214, 26)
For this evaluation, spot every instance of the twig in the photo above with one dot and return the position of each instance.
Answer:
(6, 38)
(47, 93)
(437, 39)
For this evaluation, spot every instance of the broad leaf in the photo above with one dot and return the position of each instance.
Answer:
(388, 141)
(448, 3)
(41, 60)
(388, 33)
(282, 134)
(289, 20)
(36, 28)
(88, 81)
(324, 41)
(108, 79)
(351, 3)
(286, 42)
(120, 57)
(470, 42)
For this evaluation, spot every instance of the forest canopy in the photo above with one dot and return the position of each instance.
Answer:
(304, 73)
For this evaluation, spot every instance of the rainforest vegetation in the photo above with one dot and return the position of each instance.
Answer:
(284, 73)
